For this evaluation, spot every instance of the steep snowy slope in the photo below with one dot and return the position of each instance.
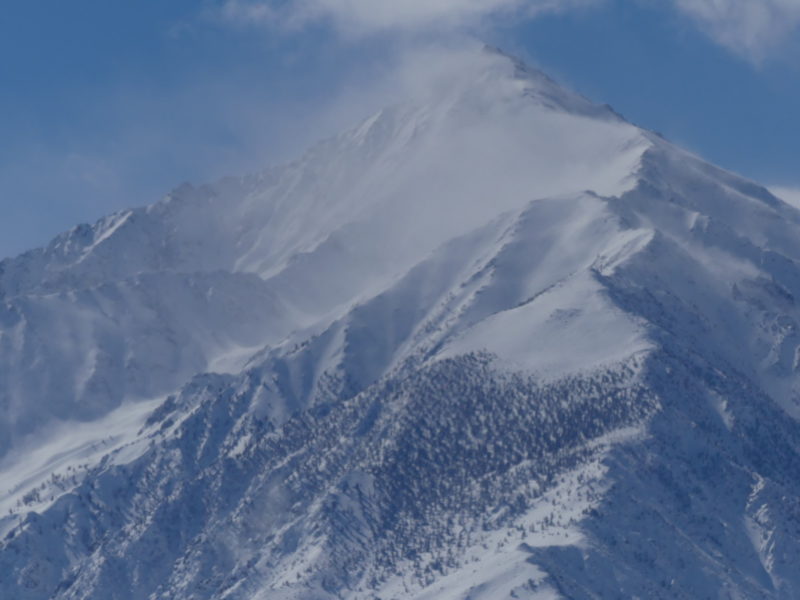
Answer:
(337, 226)
(495, 342)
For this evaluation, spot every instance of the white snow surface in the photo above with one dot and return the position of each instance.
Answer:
(135, 305)
(790, 195)
(493, 342)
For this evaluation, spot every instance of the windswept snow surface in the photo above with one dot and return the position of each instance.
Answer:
(789, 195)
(494, 342)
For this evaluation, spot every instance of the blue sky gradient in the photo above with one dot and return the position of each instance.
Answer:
(106, 104)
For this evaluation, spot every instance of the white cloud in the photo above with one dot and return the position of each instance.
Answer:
(246, 12)
(751, 28)
(359, 17)
(369, 15)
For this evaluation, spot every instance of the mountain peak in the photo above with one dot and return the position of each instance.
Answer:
(538, 85)
(420, 361)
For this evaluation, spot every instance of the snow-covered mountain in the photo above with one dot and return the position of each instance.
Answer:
(494, 342)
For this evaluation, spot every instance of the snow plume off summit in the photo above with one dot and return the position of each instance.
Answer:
(494, 342)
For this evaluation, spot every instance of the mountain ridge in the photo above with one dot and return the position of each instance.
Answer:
(444, 369)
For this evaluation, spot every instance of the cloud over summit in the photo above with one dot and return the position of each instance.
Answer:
(751, 28)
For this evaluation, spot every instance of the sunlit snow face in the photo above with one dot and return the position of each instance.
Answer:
(489, 140)
(472, 139)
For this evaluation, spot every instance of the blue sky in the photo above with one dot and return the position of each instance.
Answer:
(108, 103)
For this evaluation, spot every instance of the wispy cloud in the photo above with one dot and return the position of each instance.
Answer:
(246, 12)
(751, 28)
(363, 17)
